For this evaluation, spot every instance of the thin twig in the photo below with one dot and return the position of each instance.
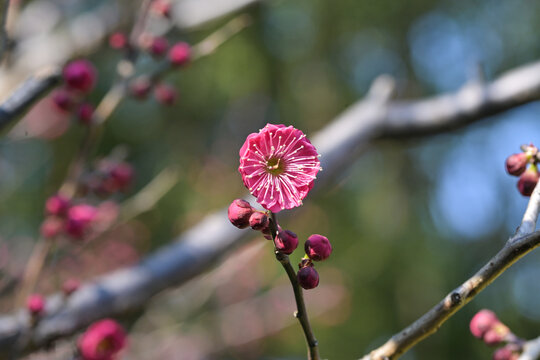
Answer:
(515, 248)
(301, 313)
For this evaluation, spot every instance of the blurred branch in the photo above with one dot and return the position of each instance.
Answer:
(531, 350)
(524, 241)
(4, 39)
(200, 247)
(31, 90)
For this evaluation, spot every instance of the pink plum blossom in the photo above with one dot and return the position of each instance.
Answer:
(278, 166)
(102, 340)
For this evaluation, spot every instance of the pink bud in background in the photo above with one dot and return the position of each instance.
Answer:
(122, 174)
(165, 94)
(70, 286)
(62, 100)
(286, 241)
(161, 8)
(158, 46)
(483, 321)
(308, 278)
(80, 75)
(118, 40)
(51, 227)
(507, 352)
(239, 213)
(180, 54)
(103, 340)
(57, 205)
(85, 113)
(79, 219)
(516, 164)
(527, 181)
(140, 87)
(35, 304)
(318, 247)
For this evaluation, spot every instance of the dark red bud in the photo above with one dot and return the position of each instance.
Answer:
(122, 174)
(318, 247)
(286, 241)
(258, 220)
(239, 213)
(527, 181)
(158, 46)
(57, 205)
(80, 75)
(308, 278)
(85, 113)
(62, 100)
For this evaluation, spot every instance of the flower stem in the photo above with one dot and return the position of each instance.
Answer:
(301, 313)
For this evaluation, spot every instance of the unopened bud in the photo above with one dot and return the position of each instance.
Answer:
(258, 220)
(158, 46)
(140, 87)
(286, 241)
(318, 247)
(308, 278)
(239, 213)
(117, 40)
(498, 333)
(179, 54)
(35, 304)
(70, 286)
(516, 164)
(482, 322)
(527, 181)
(85, 113)
(62, 100)
(165, 94)
(51, 227)
(57, 205)
(507, 352)
(80, 75)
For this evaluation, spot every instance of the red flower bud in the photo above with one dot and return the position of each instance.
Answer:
(70, 286)
(62, 100)
(103, 340)
(165, 94)
(318, 247)
(140, 87)
(516, 164)
(483, 321)
(158, 46)
(80, 75)
(51, 227)
(85, 113)
(35, 304)
(57, 205)
(258, 220)
(527, 181)
(286, 241)
(122, 174)
(180, 54)
(308, 278)
(239, 213)
(117, 40)
(79, 219)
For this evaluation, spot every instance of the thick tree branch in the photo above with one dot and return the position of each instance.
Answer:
(531, 350)
(524, 241)
(200, 247)
(31, 90)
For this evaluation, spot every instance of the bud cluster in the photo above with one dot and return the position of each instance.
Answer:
(486, 326)
(64, 217)
(108, 177)
(317, 247)
(178, 55)
(524, 165)
(79, 78)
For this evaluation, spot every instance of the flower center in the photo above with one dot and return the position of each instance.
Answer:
(275, 166)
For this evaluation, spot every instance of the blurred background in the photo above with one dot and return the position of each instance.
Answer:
(409, 220)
